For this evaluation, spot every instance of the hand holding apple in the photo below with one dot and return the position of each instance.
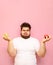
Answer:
(46, 38)
(6, 37)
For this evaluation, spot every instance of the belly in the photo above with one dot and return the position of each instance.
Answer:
(25, 58)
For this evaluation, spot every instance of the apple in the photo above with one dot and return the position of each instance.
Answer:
(46, 35)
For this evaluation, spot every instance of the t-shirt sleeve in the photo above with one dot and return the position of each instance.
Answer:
(14, 43)
(37, 45)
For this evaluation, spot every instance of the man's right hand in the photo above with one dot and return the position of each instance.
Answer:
(6, 37)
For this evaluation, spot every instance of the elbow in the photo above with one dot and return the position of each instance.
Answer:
(11, 53)
(42, 54)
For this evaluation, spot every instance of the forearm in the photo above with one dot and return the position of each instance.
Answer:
(42, 50)
(10, 49)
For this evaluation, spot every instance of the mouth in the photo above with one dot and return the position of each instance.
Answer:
(25, 34)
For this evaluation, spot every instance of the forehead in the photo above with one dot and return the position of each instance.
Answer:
(25, 28)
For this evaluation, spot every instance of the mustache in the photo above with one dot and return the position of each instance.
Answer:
(25, 37)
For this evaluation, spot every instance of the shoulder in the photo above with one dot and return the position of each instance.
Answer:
(35, 39)
(16, 39)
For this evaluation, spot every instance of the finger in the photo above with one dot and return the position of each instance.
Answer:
(46, 36)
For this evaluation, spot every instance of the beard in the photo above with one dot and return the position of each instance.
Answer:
(25, 37)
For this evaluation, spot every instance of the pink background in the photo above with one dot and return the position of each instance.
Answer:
(39, 13)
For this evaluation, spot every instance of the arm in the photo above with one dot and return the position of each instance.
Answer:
(11, 50)
(42, 50)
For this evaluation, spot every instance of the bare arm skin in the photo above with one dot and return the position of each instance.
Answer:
(42, 50)
(11, 50)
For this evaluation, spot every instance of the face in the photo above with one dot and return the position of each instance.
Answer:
(25, 32)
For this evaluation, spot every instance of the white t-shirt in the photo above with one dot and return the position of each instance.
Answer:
(26, 49)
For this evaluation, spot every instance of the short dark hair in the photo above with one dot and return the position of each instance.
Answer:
(25, 24)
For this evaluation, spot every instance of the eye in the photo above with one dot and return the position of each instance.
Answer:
(26, 30)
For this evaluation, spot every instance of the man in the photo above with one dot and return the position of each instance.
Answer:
(25, 47)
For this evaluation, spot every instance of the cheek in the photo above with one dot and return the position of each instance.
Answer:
(22, 32)
(28, 32)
